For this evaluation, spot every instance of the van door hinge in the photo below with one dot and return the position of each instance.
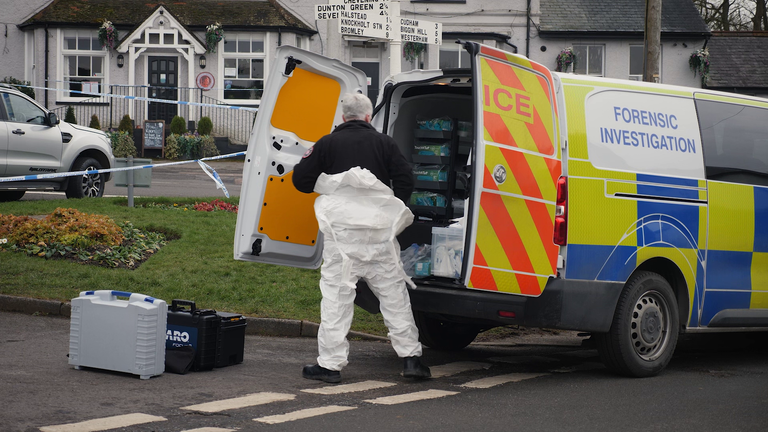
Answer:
(290, 65)
(256, 247)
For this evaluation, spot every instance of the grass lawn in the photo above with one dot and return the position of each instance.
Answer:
(198, 266)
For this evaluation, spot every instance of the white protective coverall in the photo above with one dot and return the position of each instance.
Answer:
(359, 217)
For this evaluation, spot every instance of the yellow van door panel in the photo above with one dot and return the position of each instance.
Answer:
(308, 117)
(288, 215)
(514, 251)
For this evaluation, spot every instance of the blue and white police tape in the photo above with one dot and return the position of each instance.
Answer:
(139, 98)
(212, 174)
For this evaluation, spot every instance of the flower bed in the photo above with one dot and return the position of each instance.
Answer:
(215, 205)
(84, 238)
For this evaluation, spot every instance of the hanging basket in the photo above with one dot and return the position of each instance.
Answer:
(214, 33)
(108, 35)
(699, 63)
(566, 59)
(412, 50)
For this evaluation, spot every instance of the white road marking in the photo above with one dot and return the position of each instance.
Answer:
(240, 402)
(523, 359)
(411, 397)
(501, 379)
(105, 423)
(349, 388)
(302, 414)
(457, 367)
(210, 429)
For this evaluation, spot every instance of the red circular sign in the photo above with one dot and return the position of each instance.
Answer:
(205, 80)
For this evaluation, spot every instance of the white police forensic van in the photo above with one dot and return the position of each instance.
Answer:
(629, 210)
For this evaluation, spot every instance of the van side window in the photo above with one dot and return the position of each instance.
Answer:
(735, 139)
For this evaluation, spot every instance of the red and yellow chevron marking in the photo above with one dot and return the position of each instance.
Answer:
(513, 235)
(527, 174)
(514, 250)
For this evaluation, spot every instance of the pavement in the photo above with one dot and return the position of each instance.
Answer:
(256, 326)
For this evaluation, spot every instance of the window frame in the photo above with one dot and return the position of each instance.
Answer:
(459, 48)
(63, 70)
(224, 55)
(586, 61)
(720, 151)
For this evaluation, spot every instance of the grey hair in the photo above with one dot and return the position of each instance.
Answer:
(356, 106)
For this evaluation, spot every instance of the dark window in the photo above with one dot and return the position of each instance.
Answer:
(735, 139)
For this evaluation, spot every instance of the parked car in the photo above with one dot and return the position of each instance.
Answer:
(34, 141)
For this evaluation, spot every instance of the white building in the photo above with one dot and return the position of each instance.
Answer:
(162, 52)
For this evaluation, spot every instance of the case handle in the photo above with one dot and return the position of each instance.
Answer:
(177, 302)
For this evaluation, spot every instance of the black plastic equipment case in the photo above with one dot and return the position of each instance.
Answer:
(231, 339)
(196, 327)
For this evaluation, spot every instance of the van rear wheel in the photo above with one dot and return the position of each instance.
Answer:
(644, 330)
(444, 335)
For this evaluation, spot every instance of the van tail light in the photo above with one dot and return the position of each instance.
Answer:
(560, 236)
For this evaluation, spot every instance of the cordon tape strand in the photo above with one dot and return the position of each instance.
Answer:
(207, 168)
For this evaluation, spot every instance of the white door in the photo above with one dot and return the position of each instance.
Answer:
(33, 146)
(276, 223)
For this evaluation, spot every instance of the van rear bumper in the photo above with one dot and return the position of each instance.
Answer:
(564, 304)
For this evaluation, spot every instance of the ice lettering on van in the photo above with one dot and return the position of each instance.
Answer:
(505, 100)
(643, 132)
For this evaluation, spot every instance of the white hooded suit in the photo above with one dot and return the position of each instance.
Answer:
(359, 217)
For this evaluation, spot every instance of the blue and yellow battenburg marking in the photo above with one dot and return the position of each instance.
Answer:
(711, 226)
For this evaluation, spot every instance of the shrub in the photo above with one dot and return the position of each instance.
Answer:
(190, 146)
(208, 147)
(204, 126)
(95, 122)
(122, 144)
(178, 125)
(125, 124)
(69, 117)
(18, 85)
(172, 147)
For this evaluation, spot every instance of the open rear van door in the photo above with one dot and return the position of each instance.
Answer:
(516, 166)
(301, 103)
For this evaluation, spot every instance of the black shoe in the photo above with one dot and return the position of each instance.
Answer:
(317, 372)
(412, 368)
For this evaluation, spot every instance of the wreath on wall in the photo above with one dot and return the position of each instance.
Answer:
(566, 59)
(699, 63)
(108, 35)
(412, 50)
(214, 33)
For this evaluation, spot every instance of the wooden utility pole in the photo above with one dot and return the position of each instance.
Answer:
(652, 58)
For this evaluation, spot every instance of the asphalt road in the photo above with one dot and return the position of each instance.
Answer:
(538, 383)
(186, 180)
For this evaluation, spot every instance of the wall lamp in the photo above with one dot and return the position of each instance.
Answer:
(202, 62)
(120, 60)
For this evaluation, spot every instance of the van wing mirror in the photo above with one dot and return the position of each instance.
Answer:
(53, 119)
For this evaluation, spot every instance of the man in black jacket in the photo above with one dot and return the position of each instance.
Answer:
(355, 143)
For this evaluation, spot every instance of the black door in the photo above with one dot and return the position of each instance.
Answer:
(371, 70)
(162, 85)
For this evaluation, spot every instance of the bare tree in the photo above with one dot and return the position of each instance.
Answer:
(728, 15)
(760, 19)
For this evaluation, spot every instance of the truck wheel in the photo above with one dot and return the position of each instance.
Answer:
(444, 335)
(644, 330)
(8, 196)
(87, 185)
